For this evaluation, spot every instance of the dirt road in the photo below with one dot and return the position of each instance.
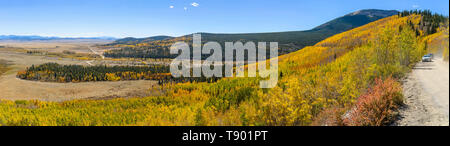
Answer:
(95, 52)
(426, 95)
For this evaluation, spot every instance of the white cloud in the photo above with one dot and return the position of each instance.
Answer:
(185, 8)
(195, 4)
(171, 7)
(415, 6)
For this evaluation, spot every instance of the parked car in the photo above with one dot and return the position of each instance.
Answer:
(427, 58)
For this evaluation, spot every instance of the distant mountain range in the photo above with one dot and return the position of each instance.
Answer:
(288, 41)
(42, 38)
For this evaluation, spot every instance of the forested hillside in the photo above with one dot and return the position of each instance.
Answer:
(347, 79)
(131, 41)
(158, 47)
(438, 43)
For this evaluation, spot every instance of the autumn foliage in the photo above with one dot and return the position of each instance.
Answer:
(377, 106)
(347, 79)
(53, 72)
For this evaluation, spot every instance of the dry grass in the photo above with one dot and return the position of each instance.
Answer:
(12, 88)
(52, 46)
(3, 66)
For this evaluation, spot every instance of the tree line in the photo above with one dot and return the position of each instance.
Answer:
(53, 72)
(430, 22)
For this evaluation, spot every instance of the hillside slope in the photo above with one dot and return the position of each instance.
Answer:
(131, 40)
(355, 19)
(288, 41)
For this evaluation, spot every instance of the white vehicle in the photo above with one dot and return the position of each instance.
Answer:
(427, 58)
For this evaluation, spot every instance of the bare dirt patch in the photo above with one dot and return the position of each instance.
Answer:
(12, 88)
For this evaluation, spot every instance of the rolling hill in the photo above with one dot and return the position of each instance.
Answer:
(157, 47)
(131, 40)
(354, 20)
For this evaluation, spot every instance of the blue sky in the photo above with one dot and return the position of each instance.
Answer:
(143, 18)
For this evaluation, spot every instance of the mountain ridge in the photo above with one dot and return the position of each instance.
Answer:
(289, 41)
(363, 16)
(369, 12)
